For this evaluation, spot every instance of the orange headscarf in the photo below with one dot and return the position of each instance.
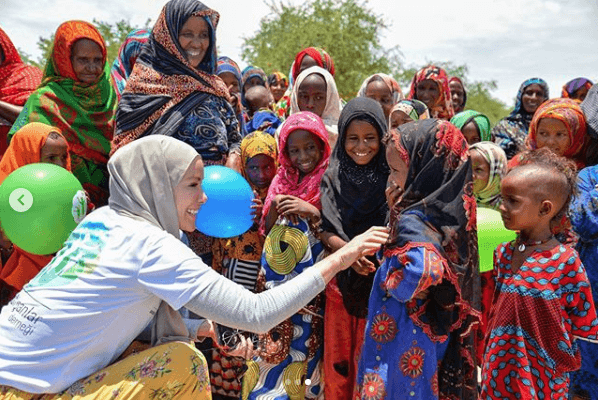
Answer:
(25, 148)
(569, 112)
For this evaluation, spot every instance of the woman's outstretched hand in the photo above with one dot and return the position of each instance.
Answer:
(366, 244)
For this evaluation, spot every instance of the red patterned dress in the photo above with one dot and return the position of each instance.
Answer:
(537, 314)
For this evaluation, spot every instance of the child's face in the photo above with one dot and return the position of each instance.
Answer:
(189, 195)
(304, 150)
(457, 95)
(398, 168)
(231, 82)
(260, 170)
(470, 131)
(480, 170)
(362, 142)
(377, 90)
(399, 118)
(428, 92)
(307, 62)
(553, 134)
(54, 151)
(311, 95)
(277, 89)
(520, 209)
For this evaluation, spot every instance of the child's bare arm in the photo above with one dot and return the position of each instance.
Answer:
(272, 215)
(291, 205)
(332, 241)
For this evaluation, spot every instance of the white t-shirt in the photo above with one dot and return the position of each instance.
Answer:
(101, 289)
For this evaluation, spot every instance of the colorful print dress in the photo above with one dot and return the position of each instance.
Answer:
(399, 360)
(537, 314)
(290, 367)
(583, 213)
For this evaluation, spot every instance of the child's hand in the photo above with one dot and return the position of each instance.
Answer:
(291, 207)
(235, 103)
(363, 266)
(256, 209)
(393, 194)
(362, 245)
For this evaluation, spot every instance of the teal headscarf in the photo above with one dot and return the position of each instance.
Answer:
(480, 120)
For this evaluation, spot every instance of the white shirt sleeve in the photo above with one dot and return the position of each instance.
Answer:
(172, 272)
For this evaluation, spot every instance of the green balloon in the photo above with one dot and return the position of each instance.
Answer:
(491, 233)
(40, 205)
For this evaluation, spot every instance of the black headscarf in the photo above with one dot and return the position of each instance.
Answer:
(353, 196)
(438, 209)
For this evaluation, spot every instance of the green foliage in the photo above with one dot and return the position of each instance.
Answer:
(347, 30)
(350, 32)
(113, 35)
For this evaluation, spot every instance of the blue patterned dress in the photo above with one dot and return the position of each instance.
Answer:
(399, 359)
(584, 219)
(290, 368)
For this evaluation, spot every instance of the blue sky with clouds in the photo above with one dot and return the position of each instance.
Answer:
(505, 40)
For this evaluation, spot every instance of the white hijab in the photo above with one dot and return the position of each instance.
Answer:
(332, 111)
(143, 175)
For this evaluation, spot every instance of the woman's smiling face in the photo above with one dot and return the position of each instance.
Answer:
(194, 38)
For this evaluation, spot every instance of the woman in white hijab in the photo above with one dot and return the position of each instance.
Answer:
(315, 90)
(123, 265)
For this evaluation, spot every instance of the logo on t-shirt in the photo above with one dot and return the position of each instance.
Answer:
(79, 206)
(78, 256)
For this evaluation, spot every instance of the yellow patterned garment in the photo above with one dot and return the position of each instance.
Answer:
(172, 371)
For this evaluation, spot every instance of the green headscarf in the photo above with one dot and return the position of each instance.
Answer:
(480, 120)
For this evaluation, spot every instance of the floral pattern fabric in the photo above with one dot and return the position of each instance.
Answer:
(168, 372)
(399, 358)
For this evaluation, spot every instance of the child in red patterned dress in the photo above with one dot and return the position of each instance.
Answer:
(542, 301)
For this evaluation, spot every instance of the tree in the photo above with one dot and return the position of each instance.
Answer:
(347, 30)
(113, 35)
(350, 32)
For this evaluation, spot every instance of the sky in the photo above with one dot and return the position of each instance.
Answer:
(503, 40)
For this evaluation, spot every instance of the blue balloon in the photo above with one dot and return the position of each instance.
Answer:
(227, 213)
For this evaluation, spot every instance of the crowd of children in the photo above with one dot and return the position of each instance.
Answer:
(417, 319)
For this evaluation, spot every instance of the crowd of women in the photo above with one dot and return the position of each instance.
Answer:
(360, 276)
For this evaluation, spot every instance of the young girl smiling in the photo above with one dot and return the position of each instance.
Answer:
(290, 365)
(352, 201)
